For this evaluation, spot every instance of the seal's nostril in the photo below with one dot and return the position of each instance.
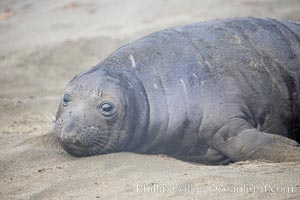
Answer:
(75, 139)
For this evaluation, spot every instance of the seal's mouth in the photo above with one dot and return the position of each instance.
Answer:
(77, 150)
(79, 141)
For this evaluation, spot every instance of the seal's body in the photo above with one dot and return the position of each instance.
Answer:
(212, 92)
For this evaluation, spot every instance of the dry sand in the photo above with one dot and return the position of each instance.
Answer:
(45, 43)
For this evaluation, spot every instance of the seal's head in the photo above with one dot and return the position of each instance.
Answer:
(101, 110)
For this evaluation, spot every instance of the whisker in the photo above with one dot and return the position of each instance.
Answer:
(107, 144)
(53, 139)
(50, 117)
(110, 145)
(108, 141)
(49, 127)
(99, 143)
(106, 137)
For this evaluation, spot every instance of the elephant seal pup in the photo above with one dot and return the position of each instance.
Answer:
(213, 92)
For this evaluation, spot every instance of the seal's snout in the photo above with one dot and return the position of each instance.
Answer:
(70, 137)
(70, 133)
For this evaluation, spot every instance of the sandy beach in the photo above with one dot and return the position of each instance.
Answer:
(45, 43)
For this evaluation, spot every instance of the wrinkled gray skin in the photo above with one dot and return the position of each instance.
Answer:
(213, 92)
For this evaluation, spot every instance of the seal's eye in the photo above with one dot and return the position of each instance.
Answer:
(106, 108)
(67, 98)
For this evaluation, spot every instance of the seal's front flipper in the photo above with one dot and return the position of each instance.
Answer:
(252, 144)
